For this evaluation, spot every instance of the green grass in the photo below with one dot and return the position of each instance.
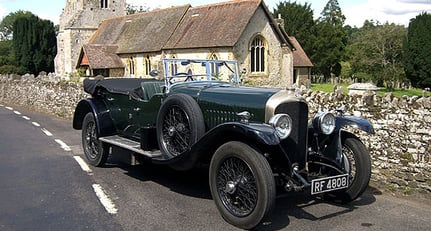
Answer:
(401, 92)
(328, 87)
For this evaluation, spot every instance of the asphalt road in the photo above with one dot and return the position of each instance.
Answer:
(44, 185)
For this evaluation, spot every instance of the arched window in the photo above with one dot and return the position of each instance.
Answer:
(131, 66)
(257, 55)
(147, 65)
(103, 4)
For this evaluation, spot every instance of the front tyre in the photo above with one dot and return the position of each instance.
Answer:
(95, 151)
(357, 161)
(242, 184)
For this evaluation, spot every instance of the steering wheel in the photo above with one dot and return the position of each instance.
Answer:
(188, 77)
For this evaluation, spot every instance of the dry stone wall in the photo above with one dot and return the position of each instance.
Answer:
(400, 149)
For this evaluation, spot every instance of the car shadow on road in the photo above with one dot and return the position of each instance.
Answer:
(192, 183)
(289, 206)
(314, 209)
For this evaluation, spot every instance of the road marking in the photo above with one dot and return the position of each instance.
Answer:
(35, 124)
(17, 112)
(104, 199)
(63, 145)
(9, 108)
(46, 132)
(26, 118)
(84, 166)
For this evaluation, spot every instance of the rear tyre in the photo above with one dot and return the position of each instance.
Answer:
(95, 151)
(357, 160)
(242, 184)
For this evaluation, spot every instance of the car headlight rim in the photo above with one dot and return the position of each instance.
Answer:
(325, 122)
(282, 123)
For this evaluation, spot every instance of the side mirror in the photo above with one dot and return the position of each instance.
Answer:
(154, 73)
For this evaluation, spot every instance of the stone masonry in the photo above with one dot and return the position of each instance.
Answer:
(78, 21)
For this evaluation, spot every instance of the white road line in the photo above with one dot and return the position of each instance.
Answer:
(17, 112)
(35, 124)
(63, 145)
(9, 108)
(46, 132)
(26, 118)
(84, 166)
(104, 199)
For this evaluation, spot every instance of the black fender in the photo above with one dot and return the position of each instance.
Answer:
(252, 132)
(353, 121)
(260, 136)
(333, 151)
(105, 125)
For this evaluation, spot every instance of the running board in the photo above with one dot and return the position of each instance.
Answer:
(130, 145)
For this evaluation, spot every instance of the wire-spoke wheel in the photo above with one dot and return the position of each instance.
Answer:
(176, 131)
(179, 125)
(242, 184)
(358, 165)
(95, 151)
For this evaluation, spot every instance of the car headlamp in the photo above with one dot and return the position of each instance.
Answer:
(324, 122)
(282, 123)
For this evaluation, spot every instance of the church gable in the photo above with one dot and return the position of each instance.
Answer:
(100, 57)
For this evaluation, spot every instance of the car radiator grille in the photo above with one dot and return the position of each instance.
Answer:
(296, 144)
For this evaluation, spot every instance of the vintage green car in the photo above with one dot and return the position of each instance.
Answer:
(254, 141)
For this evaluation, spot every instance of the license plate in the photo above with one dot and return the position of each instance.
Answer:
(328, 184)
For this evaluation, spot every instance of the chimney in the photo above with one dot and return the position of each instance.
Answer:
(280, 21)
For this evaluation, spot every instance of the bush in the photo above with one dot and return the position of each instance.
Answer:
(8, 69)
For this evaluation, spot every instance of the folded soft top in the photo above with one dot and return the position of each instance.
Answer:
(125, 86)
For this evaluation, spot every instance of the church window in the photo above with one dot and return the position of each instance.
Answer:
(257, 55)
(147, 65)
(131, 66)
(104, 4)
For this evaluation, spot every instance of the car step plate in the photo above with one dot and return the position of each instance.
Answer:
(328, 184)
(130, 145)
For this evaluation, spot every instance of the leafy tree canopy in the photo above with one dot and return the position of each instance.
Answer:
(299, 22)
(6, 25)
(331, 40)
(34, 44)
(417, 51)
(131, 9)
(377, 50)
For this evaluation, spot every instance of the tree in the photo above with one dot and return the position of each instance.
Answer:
(6, 25)
(377, 51)
(131, 9)
(330, 41)
(417, 51)
(299, 22)
(34, 44)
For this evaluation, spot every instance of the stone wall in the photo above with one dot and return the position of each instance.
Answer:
(400, 149)
(42, 94)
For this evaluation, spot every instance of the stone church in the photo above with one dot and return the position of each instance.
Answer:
(78, 22)
(97, 36)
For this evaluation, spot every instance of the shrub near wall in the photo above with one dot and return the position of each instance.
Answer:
(400, 149)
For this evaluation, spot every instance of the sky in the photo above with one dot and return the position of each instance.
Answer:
(356, 11)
